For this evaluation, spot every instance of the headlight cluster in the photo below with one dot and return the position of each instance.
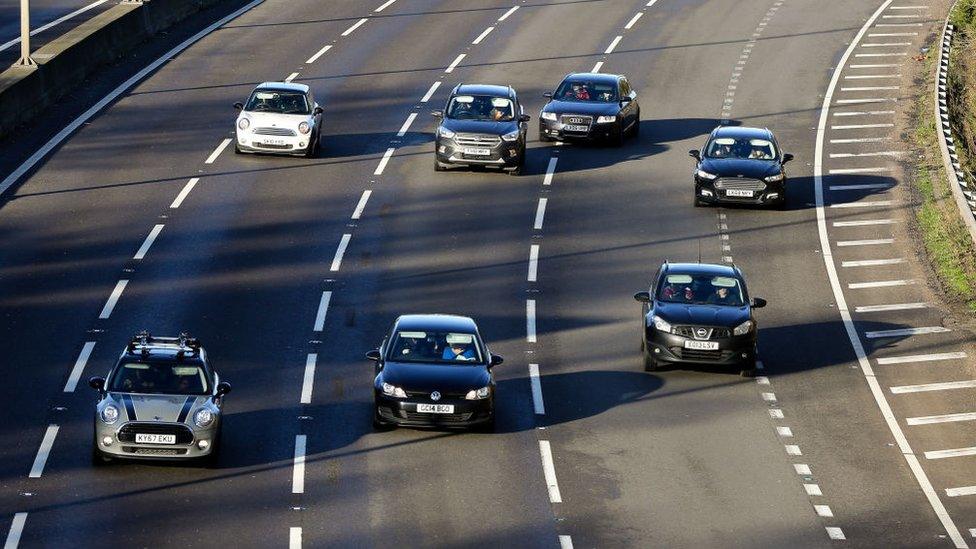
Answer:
(744, 328)
(393, 391)
(705, 175)
(662, 325)
(606, 119)
(304, 128)
(110, 413)
(244, 123)
(477, 394)
(203, 417)
(551, 116)
(444, 132)
(774, 178)
(511, 136)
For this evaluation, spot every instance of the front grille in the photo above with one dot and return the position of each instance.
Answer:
(425, 395)
(477, 140)
(154, 451)
(715, 333)
(740, 184)
(701, 356)
(281, 132)
(437, 418)
(128, 431)
(276, 147)
(577, 120)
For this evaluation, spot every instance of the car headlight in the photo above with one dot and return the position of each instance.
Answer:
(511, 136)
(774, 178)
(744, 328)
(244, 123)
(110, 414)
(548, 116)
(393, 391)
(203, 417)
(477, 394)
(606, 119)
(662, 325)
(705, 175)
(304, 128)
(444, 132)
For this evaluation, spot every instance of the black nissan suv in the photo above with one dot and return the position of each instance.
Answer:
(481, 125)
(701, 314)
(741, 165)
(589, 107)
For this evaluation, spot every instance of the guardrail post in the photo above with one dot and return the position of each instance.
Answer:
(25, 58)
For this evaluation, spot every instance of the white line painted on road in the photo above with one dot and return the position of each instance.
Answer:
(859, 170)
(633, 20)
(962, 491)
(613, 45)
(886, 45)
(295, 532)
(879, 284)
(540, 214)
(533, 262)
(785, 432)
(507, 13)
(863, 113)
(355, 26)
(150, 238)
(530, 320)
(549, 471)
(385, 5)
(183, 194)
(298, 470)
(318, 54)
(863, 222)
(823, 511)
(79, 367)
(769, 397)
(861, 187)
(870, 88)
(54, 23)
(891, 307)
(867, 100)
(537, 402)
(812, 489)
(406, 124)
(220, 148)
(906, 332)
(291, 77)
(113, 298)
(929, 387)
(955, 452)
(651, 3)
(934, 357)
(793, 450)
(550, 170)
(340, 251)
(762, 380)
(309, 380)
(943, 418)
(565, 542)
(384, 161)
(893, 154)
(802, 469)
(16, 531)
(870, 242)
(861, 140)
(861, 126)
(430, 92)
(44, 451)
(454, 64)
(597, 66)
(865, 204)
(834, 532)
(775, 413)
(871, 76)
(322, 311)
(358, 212)
(482, 36)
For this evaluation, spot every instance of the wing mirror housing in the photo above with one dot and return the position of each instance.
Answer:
(495, 361)
(787, 157)
(643, 297)
(695, 153)
(317, 110)
(437, 114)
(524, 118)
(547, 95)
(97, 383)
(373, 355)
(239, 106)
(223, 388)
(758, 303)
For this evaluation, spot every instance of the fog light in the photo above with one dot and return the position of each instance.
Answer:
(106, 441)
(771, 196)
(203, 444)
(301, 144)
(513, 153)
(442, 149)
(706, 192)
(657, 351)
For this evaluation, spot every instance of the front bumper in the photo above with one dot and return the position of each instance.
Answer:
(769, 193)
(250, 142)
(506, 154)
(403, 412)
(732, 351)
(123, 445)
(595, 132)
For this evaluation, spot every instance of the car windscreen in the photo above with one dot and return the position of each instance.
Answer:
(592, 92)
(435, 347)
(701, 290)
(164, 379)
(481, 107)
(278, 101)
(739, 147)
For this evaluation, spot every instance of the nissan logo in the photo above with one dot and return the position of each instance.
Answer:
(435, 396)
(576, 120)
(701, 332)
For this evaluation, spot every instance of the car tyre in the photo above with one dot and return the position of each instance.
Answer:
(313, 148)
(379, 425)
(650, 365)
(697, 201)
(748, 368)
(782, 204)
(617, 139)
(438, 167)
(520, 167)
(488, 426)
(237, 149)
(635, 129)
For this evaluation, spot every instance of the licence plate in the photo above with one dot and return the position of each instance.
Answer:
(268, 141)
(702, 345)
(737, 192)
(474, 151)
(436, 408)
(143, 438)
(575, 128)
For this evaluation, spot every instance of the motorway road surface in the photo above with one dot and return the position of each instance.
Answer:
(603, 455)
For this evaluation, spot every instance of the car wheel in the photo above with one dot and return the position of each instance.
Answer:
(617, 139)
(379, 425)
(650, 365)
(237, 150)
(635, 129)
(488, 426)
(438, 167)
(782, 204)
(697, 201)
(520, 167)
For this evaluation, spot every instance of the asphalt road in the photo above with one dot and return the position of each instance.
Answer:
(617, 457)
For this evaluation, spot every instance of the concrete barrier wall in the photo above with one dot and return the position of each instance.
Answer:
(67, 61)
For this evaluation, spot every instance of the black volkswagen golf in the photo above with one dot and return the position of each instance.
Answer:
(590, 106)
(701, 314)
(740, 166)
(434, 371)
(481, 125)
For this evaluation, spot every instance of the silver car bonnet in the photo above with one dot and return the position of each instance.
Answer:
(168, 408)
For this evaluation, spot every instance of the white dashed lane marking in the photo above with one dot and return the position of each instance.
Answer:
(384, 161)
(291, 77)
(879, 284)
(298, 471)
(79, 366)
(183, 193)
(295, 532)
(482, 36)
(308, 380)
(355, 26)
(871, 242)
(44, 451)
(406, 124)
(530, 335)
(113, 298)
(928, 387)
(322, 311)
(533, 262)
(540, 214)
(318, 54)
(812, 489)
(340, 251)
(457, 60)
(385, 5)
(549, 470)
(430, 92)
(630, 23)
(802, 469)
(565, 542)
(550, 170)
(942, 418)
(508, 13)
(836, 533)
(613, 45)
(220, 148)
(891, 307)
(955, 452)
(922, 358)
(962, 491)
(361, 206)
(905, 332)
(537, 402)
(16, 531)
(146, 244)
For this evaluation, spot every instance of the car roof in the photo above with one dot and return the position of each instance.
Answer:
(436, 322)
(485, 89)
(145, 348)
(284, 86)
(702, 269)
(745, 132)
(592, 77)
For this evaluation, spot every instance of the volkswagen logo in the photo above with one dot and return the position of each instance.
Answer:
(435, 396)
(576, 120)
(702, 333)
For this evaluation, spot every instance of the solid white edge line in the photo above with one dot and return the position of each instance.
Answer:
(630, 23)
(530, 335)
(178, 201)
(319, 53)
(355, 26)
(340, 251)
(406, 124)
(507, 13)
(482, 36)
(322, 311)
(361, 206)
(565, 542)
(540, 214)
(298, 471)
(533, 263)
(537, 403)
(835, 285)
(457, 60)
(430, 92)
(150, 238)
(295, 532)
(550, 171)
(113, 298)
(79, 367)
(549, 470)
(613, 44)
(220, 148)
(43, 452)
(934, 357)
(54, 23)
(309, 379)
(383, 161)
(16, 530)
(385, 5)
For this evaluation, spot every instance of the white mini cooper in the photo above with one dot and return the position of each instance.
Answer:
(279, 117)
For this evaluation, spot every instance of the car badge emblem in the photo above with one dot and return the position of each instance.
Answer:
(701, 332)
(740, 175)
(435, 396)
(157, 418)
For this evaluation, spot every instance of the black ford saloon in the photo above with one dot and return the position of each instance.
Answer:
(741, 166)
(698, 314)
(434, 371)
(590, 106)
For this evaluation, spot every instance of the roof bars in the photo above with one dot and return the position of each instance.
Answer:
(143, 341)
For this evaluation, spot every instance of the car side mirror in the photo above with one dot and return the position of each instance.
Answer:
(223, 388)
(643, 297)
(495, 361)
(373, 355)
(239, 106)
(787, 157)
(97, 383)
(695, 153)
(547, 95)
(758, 303)
(437, 114)
(318, 110)
(524, 118)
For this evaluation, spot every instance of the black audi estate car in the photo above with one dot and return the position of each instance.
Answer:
(741, 166)
(698, 313)
(590, 106)
(434, 371)
(481, 125)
